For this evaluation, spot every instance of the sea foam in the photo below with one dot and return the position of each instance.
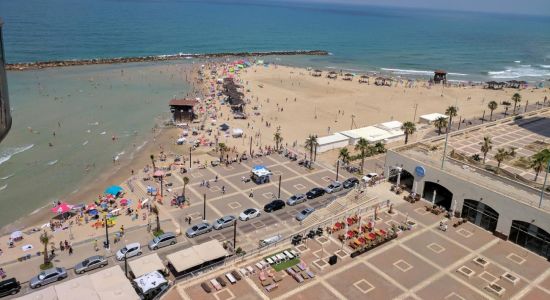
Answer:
(519, 72)
(6, 154)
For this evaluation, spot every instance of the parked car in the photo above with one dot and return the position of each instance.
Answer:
(130, 250)
(350, 182)
(296, 199)
(304, 214)
(315, 192)
(9, 287)
(249, 213)
(369, 177)
(224, 222)
(163, 240)
(274, 205)
(334, 187)
(198, 229)
(90, 263)
(48, 276)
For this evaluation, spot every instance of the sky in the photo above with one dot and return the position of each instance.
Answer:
(535, 7)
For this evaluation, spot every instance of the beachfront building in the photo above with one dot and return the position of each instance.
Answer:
(195, 258)
(440, 76)
(504, 200)
(183, 109)
(430, 118)
(330, 142)
(5, 114)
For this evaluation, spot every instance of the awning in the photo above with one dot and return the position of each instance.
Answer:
(16, 235)
(43, 294)
(112, 284)
(210, 250)
(196, 255)
(146, 265)
(80, 288)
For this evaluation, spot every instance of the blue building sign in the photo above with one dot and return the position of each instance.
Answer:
(420, 171)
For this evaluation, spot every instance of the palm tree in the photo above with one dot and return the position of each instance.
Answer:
(344, 155)
(539, 161)
(492, 106)
(440, 123)
(311, 143)
(315, 149)
(278, 139)
(45, 240)
(409, 128)
(502, 155)
(486, 147)
(379, 147)
(507, 105)
(516, 98)
(222, 148)
(153, 162)
(451, 112)
(155, 210)
(363, 147)
(185, 182)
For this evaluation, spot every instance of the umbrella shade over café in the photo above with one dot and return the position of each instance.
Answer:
(113, 190)
(158, 173)
(62, 208)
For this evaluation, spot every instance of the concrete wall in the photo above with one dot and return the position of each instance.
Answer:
(5, 114)
(330, 146)
(508, 208)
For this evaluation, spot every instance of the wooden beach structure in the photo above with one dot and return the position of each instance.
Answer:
(440, 76)
(383, 81)
(516, 84)
(495, 85)
(364, 79)
(234, 96)
(183, 109)
(332, 75)
(348, 77)
(317, 73)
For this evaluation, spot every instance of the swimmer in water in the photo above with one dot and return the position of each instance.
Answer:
(50, 144)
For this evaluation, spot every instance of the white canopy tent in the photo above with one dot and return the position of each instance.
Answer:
(430, 118)
(146, 264)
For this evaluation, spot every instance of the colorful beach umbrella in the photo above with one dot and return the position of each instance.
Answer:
(124, 202)
(91, 206)
(62, 208)
(158, 173)
(113, 190)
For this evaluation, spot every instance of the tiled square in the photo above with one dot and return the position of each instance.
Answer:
(421, 211)
(229, 167)
(515, 258)
(490, 278)
(320, 263)
(299, 186)
(436, 248)
(326, 178)
(363, 286)
(268, 195)
(465, 233)
(341, 253)
(215, 189)
(234, 205)
(197, 175)
(258, 224)
(454, 296)
(195, 216)
(224, 294)
(322, 240)
(402, 265)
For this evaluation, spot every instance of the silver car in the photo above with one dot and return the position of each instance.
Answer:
(48, 276)
(224, 222)
(198, 229)
(296, 199)
(304, 214)
(163, 240)
(90, 263)
(334, 187)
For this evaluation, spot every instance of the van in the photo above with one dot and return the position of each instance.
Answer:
(163, 240)
(270, 240)
(9, 287)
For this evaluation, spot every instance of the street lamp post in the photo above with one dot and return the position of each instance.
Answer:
(337, 168)
(279, 194)
(126, 264)
(204, 207)
(106, 244)
(235, 236)
(190, 162)
(544, 183)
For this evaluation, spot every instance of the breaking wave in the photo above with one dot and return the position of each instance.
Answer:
(520, 71)
(6, 154)
(416, 72)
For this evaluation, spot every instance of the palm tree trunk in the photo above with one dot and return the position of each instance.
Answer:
(498, 166)
(315, 157)
(491, 117)
(183, 191)
(439, 130)
(515, 105)
(406, 138)
(362, 162)
(537, 174)
(158, 223)
(484, 156)
(46, 253)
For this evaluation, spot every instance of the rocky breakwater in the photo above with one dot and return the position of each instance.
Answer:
(151, 58)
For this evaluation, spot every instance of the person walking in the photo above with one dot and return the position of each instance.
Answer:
(95, 245)
(70, 250)
(61, 246)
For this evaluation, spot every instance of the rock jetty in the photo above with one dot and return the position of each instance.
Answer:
(151, 58)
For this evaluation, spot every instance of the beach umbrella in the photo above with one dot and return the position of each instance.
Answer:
(114, 211)
(91, 206)
(113, 190)
(124, 202)
(62, 208)
(93, 212)
(16, 235)
(158, 173)
(109, 197)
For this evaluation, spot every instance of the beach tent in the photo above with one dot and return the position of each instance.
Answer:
(224, 127)
(237, 132)
(16, 235)
(62, 208)
(113, 190)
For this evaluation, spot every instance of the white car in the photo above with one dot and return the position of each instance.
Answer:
(334, 187)
(130, 250)
(369, 177)
(249, 213)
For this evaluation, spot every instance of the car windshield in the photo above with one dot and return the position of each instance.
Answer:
(195, 227)
(85, 262)
(156, 239)
(123, 250)
(41, 275)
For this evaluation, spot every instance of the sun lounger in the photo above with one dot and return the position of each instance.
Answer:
(206, 288)
(236, 275)
(216, 284)
(302, 266)
(266, 282)
(310, 274)
(275, 259)
(264, 264)
(221, 281)
(298, 277)
(250, 270)
(290, 271)
(271, 287)
(231, 278)
(243, 271)
(269, 261)
(296, 269)
(288, 254)
(262, 276)
(259, 266)
(294, 252)
(276, 278)
(281, 257)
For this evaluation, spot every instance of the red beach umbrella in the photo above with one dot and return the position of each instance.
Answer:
(158, 173)
(62, 208)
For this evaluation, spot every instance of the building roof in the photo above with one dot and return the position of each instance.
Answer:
(146, 264)
(47, 293)
(183, 102)
(440, 72)
(192, 257)
(432, 117)
(149, 281)
(391, 125)
(329, 139)
(81, 286)
(210, 250)
(373, 134)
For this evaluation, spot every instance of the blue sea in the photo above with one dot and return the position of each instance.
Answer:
(86, 105)
(471, 46)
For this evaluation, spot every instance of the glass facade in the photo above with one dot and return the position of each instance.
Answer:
(531, 237)
(5, 114)
(480, 214)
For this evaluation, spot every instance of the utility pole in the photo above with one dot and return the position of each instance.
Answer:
(415, 109)
(190, 162)
(337, 168)
(250, 150)
(279, 194)
(204, 207)
(445, 149)
(106, 244)
(544, 183)
(235, 236)
(126, 264)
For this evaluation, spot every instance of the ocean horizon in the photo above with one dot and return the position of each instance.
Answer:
(399, 41)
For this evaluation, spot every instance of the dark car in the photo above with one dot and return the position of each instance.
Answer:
(315, 192)
(350, 182)
(274, 205)
(9, 287)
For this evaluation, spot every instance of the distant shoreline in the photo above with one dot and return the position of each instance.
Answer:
(150, 58)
